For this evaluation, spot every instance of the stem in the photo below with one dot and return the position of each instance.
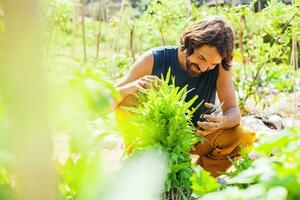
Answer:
(162, 36)
(83, 30)
(253, 82)
(122, 6)
(294, 62)
(131, 33)
(74, 27)
(99, 32)
(242, 49)
(216, 5)
(243, 18)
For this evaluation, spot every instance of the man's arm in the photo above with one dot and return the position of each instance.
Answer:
(226, 94)
(231, 114)
(138, 78)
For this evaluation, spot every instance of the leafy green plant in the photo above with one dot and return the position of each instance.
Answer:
(80, 176)
(242, 163)
(162, 120)
(165, 21)
(203, 182)
(59, 14)
(7, 190)
(276, 171)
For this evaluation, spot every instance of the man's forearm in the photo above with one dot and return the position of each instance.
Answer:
(232, 118)
(125, 91)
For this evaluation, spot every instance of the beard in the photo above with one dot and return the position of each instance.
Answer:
(189, 66)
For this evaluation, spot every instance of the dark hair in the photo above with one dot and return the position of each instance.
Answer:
(213, 31)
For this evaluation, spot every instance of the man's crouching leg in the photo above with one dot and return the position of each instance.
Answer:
(221, 145)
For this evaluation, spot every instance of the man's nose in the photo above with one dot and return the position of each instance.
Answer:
(203, 67)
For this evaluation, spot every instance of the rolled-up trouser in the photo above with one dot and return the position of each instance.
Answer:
(220, 145)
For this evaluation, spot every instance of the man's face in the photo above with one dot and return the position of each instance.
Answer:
(203, 59)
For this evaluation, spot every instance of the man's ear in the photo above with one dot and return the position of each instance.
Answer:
(224, 63)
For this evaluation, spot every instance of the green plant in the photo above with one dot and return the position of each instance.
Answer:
(242, 163)
(59, 14)
(80, 176)
(162, 120)
(165, 20)
(275, 174)
(203, 182)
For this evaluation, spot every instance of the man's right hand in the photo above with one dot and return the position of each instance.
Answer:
(138, 78)
(142, 84)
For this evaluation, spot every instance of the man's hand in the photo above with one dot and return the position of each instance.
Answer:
(211, 123)
(144, 83)
(141, 84)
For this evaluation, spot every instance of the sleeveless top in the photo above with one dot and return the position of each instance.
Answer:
(203, 85)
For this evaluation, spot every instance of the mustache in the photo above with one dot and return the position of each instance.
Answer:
(188, 64)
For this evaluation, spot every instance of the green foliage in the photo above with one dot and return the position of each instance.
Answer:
(165, 21)
(203, 182)
(96, 90)
(6, 189)
(4, 179)
(263, 47)
(276, 172)
(80, 177)
(242, 163)
(125, 22)
(83, 92)
(162, 120)
(80, 96)
(58, 13)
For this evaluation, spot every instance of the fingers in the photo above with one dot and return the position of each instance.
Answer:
(208, 126)
(153, 79)
(212, 118)
(144, 83)
(202, 133)
(141, 89)
(209, 105)
(206, 129)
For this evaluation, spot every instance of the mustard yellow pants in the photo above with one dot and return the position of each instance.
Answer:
(220, 145)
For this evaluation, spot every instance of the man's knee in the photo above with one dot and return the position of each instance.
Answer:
(244, 135)
(232, 138)
(226, 144)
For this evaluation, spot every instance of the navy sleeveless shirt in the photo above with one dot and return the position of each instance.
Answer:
(203, 85)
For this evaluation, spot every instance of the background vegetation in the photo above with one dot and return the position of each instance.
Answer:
(70, 63)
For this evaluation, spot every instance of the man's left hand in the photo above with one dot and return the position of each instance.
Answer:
(211, 123)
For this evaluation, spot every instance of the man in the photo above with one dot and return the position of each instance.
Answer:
(202, 61)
